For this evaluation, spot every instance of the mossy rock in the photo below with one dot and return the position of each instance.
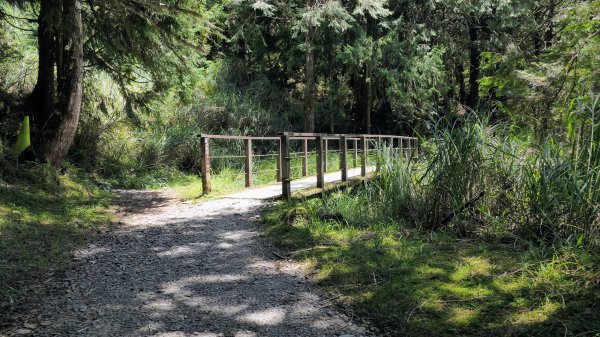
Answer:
(296, 216)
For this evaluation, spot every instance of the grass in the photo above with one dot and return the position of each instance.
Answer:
(43, 217)
(423, 283)
(156, 178)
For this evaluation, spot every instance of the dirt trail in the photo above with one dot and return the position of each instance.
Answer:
(182, 269)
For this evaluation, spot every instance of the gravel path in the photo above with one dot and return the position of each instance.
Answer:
(181, 269)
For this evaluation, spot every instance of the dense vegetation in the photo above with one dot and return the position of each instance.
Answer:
(503, 94)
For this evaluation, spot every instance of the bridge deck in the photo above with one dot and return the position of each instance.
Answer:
(274, 191)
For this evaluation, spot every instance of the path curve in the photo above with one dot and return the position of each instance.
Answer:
(181, 269)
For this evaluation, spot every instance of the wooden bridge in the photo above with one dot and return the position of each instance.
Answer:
(318, 144)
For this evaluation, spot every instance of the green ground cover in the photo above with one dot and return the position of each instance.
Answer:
(44, 215)
(422, 283)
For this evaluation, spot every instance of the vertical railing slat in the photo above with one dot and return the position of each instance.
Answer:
(286, 177)
(365, 154)
(401, 145)
(248, 154)
(278, 169)
(305, 157)
(325, 157)
(355, 146)
(343, 159)
(205, 164)
(320, 164)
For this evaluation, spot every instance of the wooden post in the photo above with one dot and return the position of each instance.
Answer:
(248, 147)
(380, 149)
(401, 145)
(286, 177)
(205, 164)
(279, 160)
(365, 151)
(305, 157)
(417, 147)
(355, 152)
(326, 148)
(320, 163)
(343, 159)
(392, 144)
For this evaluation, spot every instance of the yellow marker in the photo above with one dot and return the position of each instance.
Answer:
(23, 140)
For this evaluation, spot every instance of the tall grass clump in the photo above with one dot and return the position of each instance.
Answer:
(561, 180)
(439, 186)
(474, 178)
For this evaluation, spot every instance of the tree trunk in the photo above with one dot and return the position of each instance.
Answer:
(549, 35)
(460, 78)
(310, 89)
(363, 97)
(310, 92)
(59, 47)
(474, 64)
(331, 112)
(537, 40)
(71, 90)
(43, 95)
(369, 105)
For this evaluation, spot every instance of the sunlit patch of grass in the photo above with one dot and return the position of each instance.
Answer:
(510, 284)
(538, 314)
(43, 217)
(463, 316)
(465, 292)
(470, 267)
(431, 272)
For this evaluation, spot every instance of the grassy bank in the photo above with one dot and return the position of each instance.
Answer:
(44, 215)
(422, 283)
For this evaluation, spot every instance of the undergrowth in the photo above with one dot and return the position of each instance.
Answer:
(44, 215)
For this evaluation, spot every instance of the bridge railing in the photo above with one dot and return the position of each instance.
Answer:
(360, 144)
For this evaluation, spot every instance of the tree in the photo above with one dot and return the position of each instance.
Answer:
(127, 39)
(319, 14)
(57, 98)
(310, 86)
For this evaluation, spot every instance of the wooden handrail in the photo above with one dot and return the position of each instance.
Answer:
(300, 136)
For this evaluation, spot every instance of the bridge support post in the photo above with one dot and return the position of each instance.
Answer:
(401, 141)
(248, 148)
(205, 164)
(320, 163)
(365, 155)
(286, 177)
(305, 157)
(343, 158)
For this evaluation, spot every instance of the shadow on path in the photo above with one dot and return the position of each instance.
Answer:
(177, 269)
